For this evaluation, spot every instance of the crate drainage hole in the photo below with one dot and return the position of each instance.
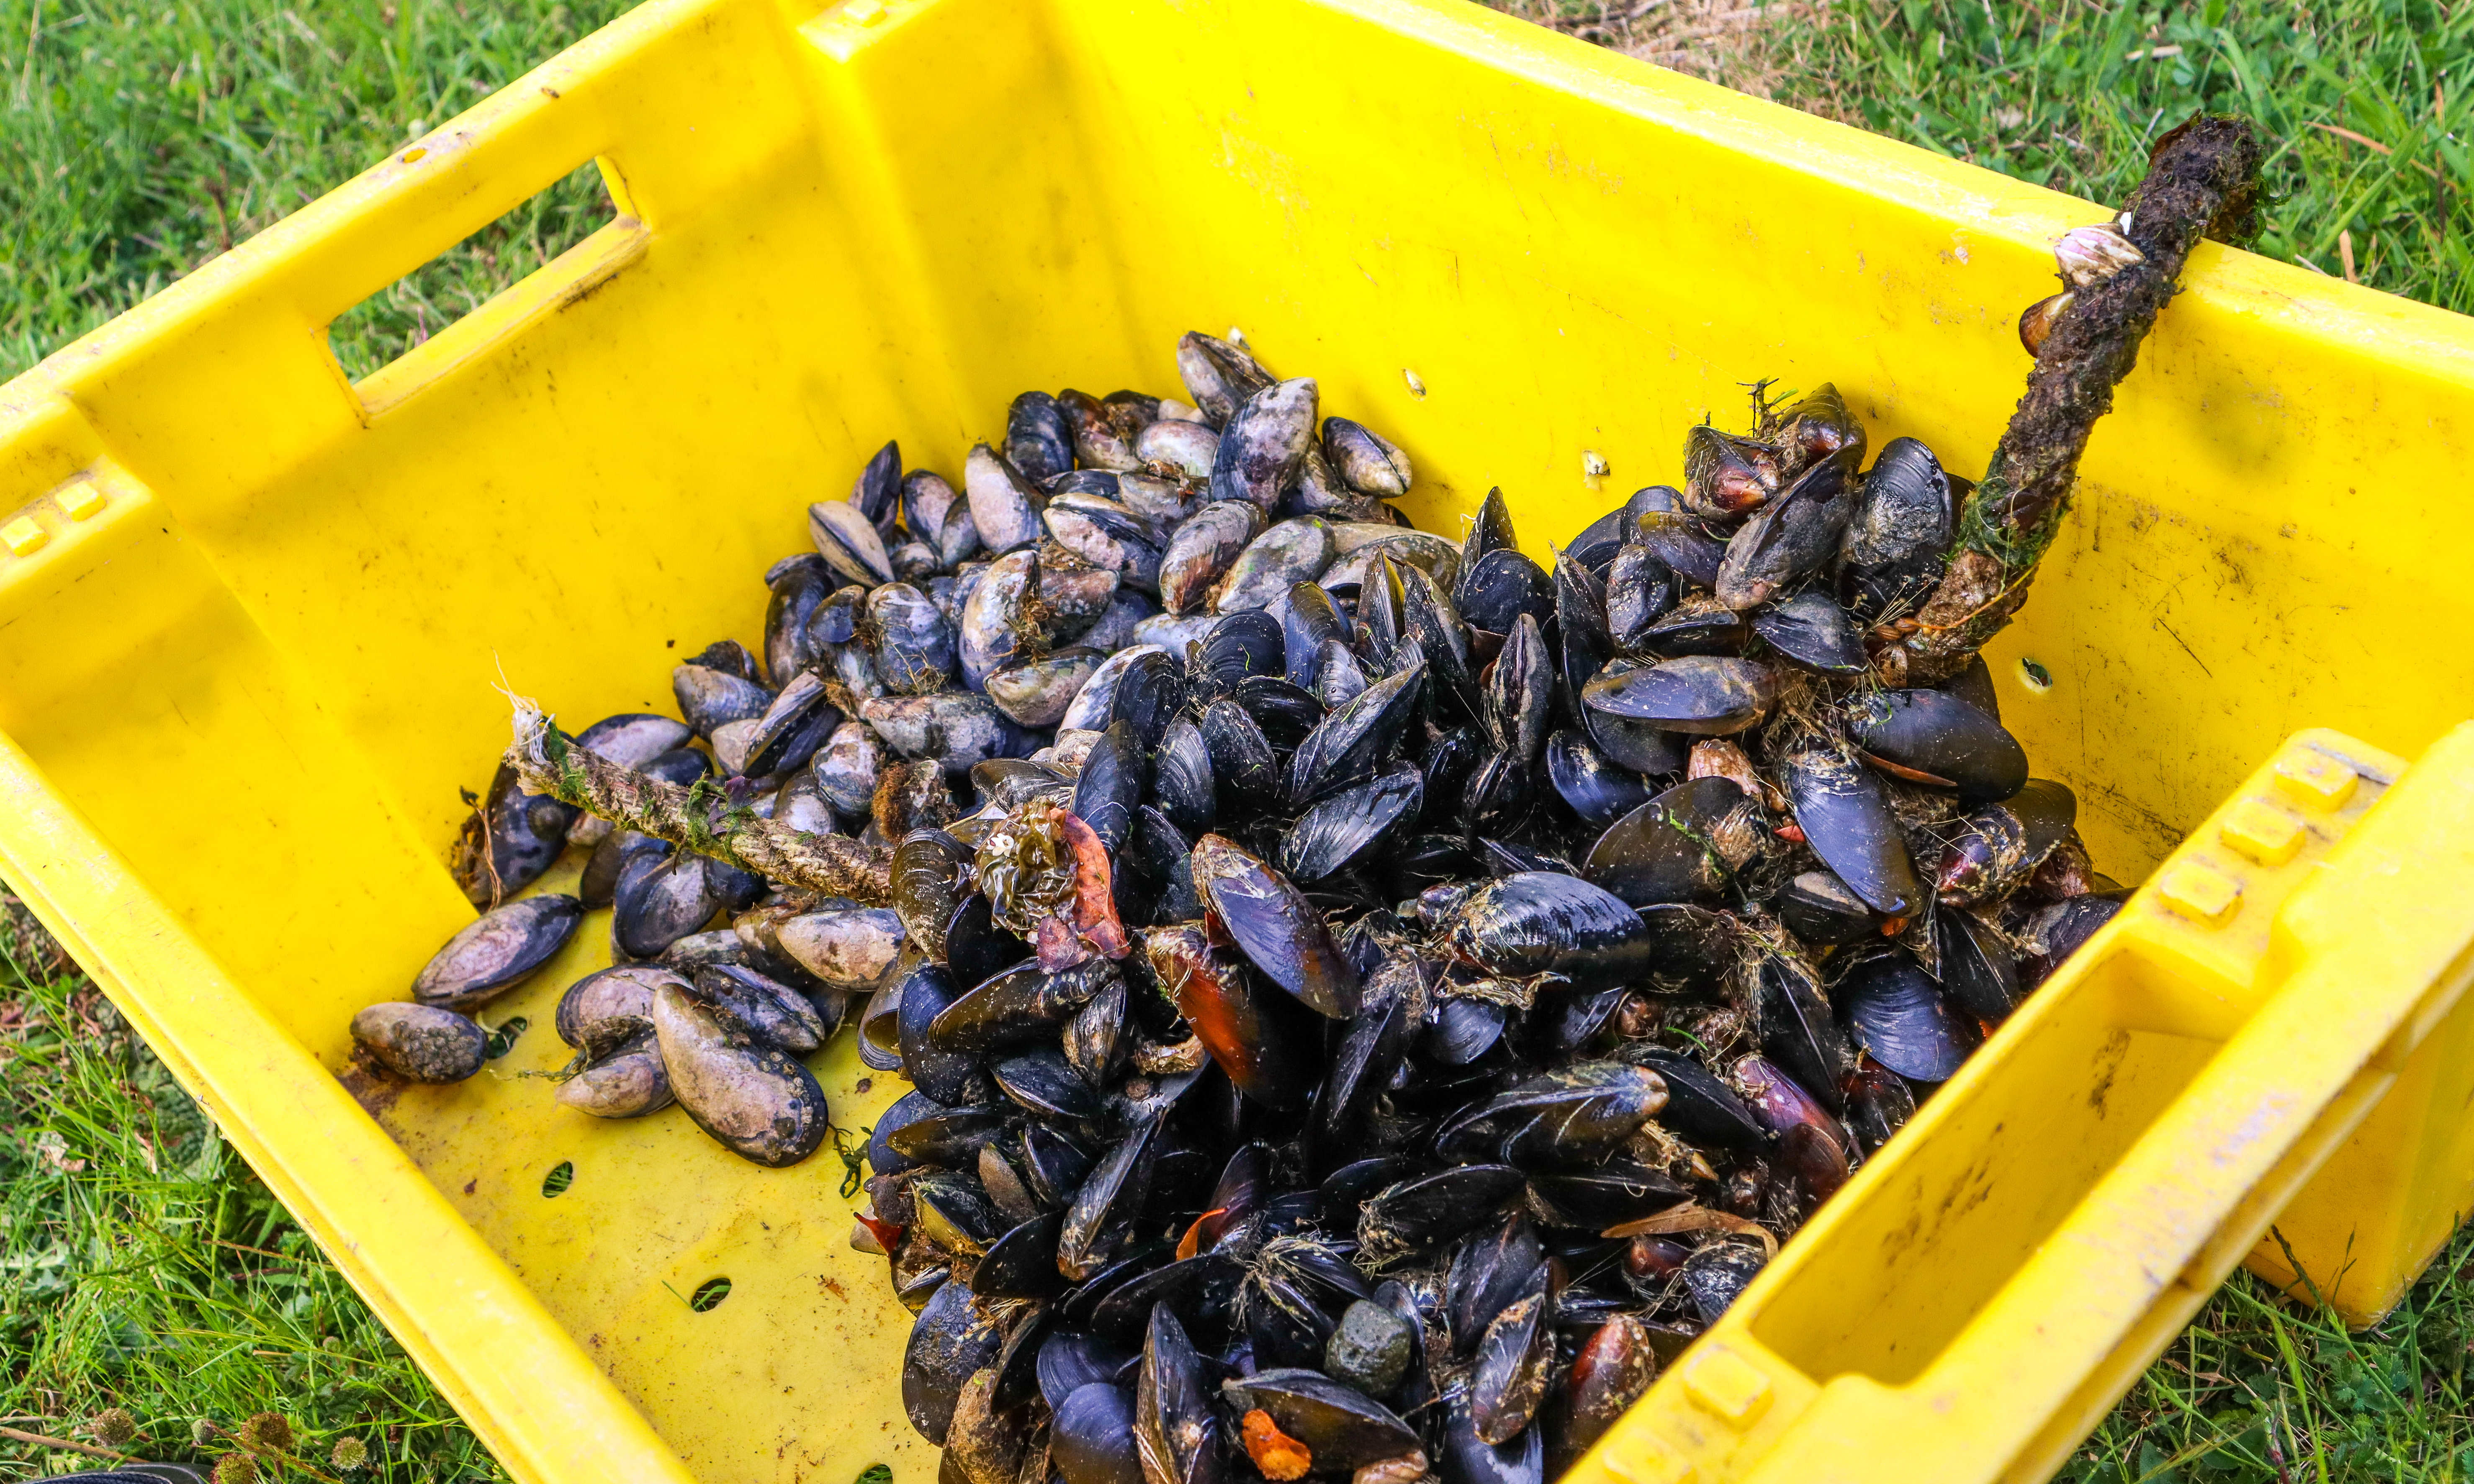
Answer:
(709, 1295)
(503, 1039)
(560, 1176)
(875, 1474)
(2035, 677)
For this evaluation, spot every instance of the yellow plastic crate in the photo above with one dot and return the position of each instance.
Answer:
(252, 615)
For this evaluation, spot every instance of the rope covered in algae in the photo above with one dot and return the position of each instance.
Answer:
(2202, 181)
(701, 818)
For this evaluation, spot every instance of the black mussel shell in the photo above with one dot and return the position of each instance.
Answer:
(944, 1135)
(1287, 714)
(1150, 694)
(1243, 644)
(1896, 1012)
(948, 1076)
(1973, 686)
(1847, 820)
(1462, 1031)
(1978, 968)
(1934, 739)
(1091, 1439)
(1115, 776)
(1336, 832)
(1820, 909)
(1177, 1428)
(1500, 587)
(1663, 851)
(1609, 1195)
(976, 948)
(1811, 630)
(1307, 622)
(1699, 628)
(1576, 1115)
(1701, 694)
(1716, 1275)
(1700, 1106)
(1343, 1427)
(1538, 923)
(1593, 785)
(1154, 873)
(1243, 767)
(1798, 1031)
(1104, 1209)
(1022, 1263)
(1349, 745)
(1469, 1459)
(1879, 1103)
(949, 1343)
(497, 951)
(1273, 924)
(1432, 1209)
(1072, 1359)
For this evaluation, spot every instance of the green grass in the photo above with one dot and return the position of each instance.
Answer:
(2368, 105)
(138, 139)
(144, 1266)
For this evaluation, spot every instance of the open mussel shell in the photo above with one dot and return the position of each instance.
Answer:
(497, 951)
(1896, 1015)
(1936, 740)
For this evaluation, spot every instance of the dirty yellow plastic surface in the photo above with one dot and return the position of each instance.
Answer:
(252, 616)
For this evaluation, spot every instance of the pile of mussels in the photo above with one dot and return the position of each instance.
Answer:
(1379, 996)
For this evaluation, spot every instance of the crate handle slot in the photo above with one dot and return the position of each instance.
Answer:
(566, 279)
